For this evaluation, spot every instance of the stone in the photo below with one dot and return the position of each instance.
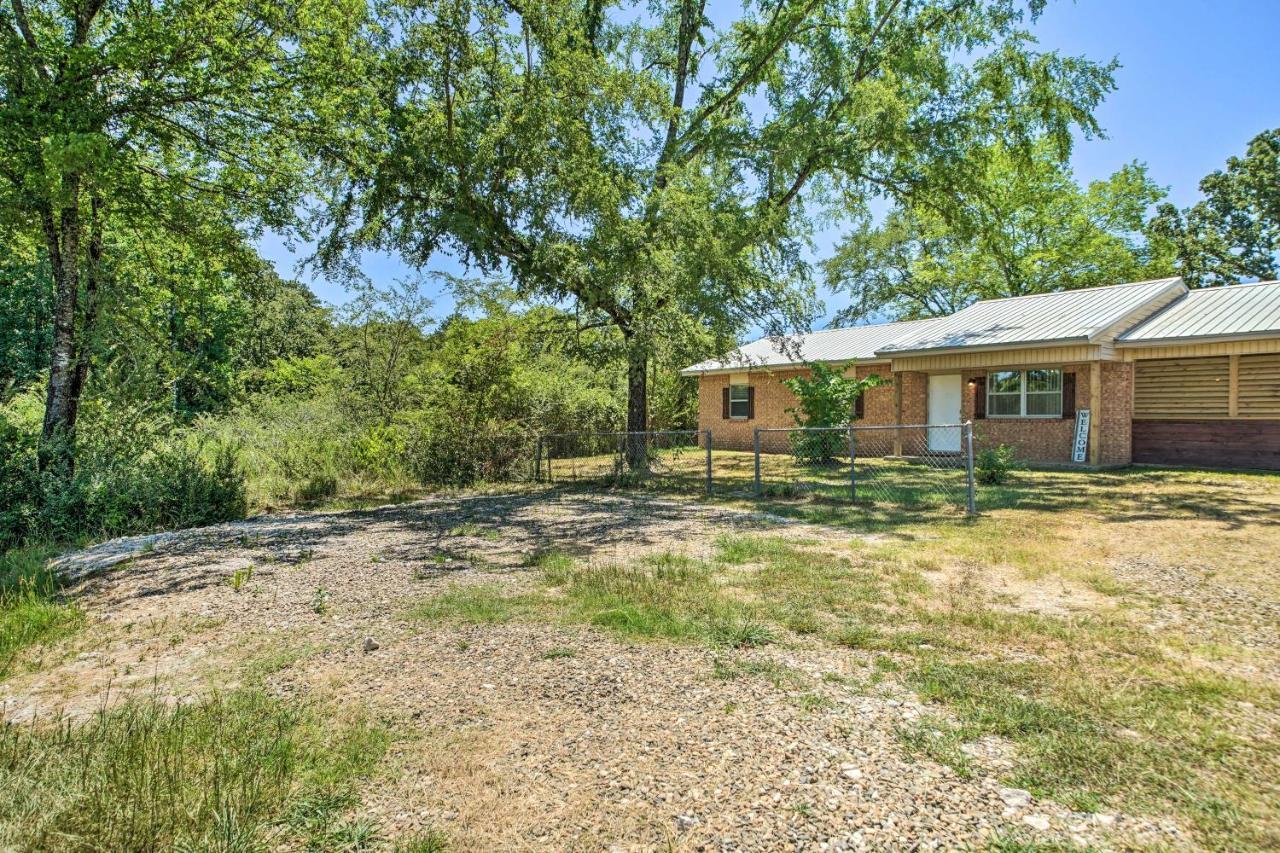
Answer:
(1037, 822)
(370, 644)
(686, 822)
(1015, 797)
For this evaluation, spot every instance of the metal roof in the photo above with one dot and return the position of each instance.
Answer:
(1091, 315)
(856, 343)
(1232, 311)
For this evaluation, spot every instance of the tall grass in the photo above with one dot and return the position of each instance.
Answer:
(31, 611)
(235, 772)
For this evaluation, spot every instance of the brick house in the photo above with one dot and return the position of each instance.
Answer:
(1167, 376)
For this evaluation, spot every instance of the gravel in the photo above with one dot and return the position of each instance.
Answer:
(511, 743)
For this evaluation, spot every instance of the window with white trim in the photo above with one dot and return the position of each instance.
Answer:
(1024, 393)
(739, 397)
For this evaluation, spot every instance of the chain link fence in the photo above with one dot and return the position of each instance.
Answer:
(913, 466)
(678, 460)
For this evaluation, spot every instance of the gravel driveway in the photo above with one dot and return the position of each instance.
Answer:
(536, 736)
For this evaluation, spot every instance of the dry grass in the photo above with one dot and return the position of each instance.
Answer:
(1015, 624)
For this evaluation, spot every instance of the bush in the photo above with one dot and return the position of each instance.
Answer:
(995, 465)
(819, 448)
(122, 484)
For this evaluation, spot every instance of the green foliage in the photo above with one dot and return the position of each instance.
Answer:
(1234, 232)
(827, 397)
(129, 481)
(142, 146)
(661, 172)
(235, 772)
(994, 465)
(31, 611)
(1030, 229)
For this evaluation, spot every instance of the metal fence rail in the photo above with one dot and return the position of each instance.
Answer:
(910, 465)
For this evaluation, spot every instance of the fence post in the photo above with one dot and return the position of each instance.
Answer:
(853, 481)
(537, 462)
(756, 441)
(707, 439)
(971, 506)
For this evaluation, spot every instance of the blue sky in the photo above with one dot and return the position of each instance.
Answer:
(1198, 80)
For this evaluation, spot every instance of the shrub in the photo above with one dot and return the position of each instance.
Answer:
(827, 399)
(122, 484)
(994, 465)
(819, 448)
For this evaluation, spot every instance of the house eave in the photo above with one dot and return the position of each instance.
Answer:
(790, 365)
(1190, 340)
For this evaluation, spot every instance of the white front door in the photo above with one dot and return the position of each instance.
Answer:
(944, 408)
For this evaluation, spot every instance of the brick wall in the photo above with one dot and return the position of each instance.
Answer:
(1115, 428)
(1033, 439)
(772, 399)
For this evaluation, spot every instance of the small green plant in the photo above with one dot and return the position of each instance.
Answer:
(827, 398)
(239, 578)
(559, 652)
(318, 488)
(994, 465)
(320, 601)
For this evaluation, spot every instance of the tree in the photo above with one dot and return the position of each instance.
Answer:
(173, 117)
(1029, 229)
(662, 174)
(1234, 232)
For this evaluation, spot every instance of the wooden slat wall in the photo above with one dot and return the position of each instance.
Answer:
(1182, 388)
(1239, 443)
(1259, 386)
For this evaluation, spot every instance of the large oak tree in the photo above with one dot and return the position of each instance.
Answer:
(660, 166)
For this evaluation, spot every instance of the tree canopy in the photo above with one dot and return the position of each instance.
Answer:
(661, 173)
(187, 123)
(1028, 228)
(1233, 233)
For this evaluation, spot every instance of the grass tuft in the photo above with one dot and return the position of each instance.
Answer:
(237, 772)
(32, 611)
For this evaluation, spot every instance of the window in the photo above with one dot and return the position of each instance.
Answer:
(739, 401)
(1024, 394)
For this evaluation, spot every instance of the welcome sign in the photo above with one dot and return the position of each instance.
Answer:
(1080, 447)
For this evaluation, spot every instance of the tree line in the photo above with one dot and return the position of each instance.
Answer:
(629, 187)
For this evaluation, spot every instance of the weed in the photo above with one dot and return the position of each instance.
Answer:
(431, 841)
(239, 578)
(559, 652)
(31, 609)
(320, 601)
(477, 605)
(223, 773)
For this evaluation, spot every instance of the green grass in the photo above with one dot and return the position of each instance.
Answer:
(236, 772)
(31, 610)
(475, 605)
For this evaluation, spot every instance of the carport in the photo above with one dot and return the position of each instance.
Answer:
(1206, 380)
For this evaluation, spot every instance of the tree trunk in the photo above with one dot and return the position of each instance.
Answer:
(62, 400)
(637, 406)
